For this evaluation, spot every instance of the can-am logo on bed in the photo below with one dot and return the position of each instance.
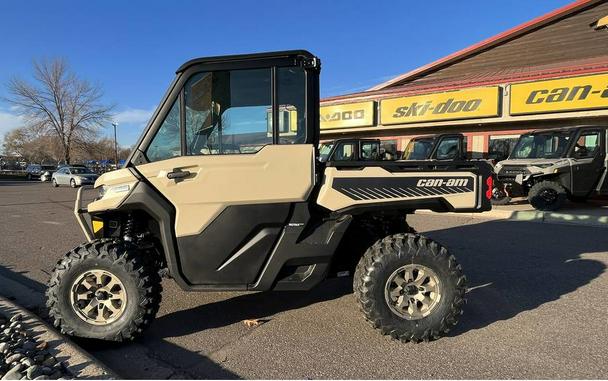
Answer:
(442, 182)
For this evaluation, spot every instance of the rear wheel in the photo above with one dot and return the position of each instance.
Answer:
(410, 287)
(73, 183)
(547, 195)
(54, 182)
(103, 290)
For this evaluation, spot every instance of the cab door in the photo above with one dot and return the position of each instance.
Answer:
(588, 154)
(231, 174)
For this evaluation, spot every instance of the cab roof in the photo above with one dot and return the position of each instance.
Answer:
(247, 57)
(564, 129)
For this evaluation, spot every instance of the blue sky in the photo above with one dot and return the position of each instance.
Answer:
(132, 48)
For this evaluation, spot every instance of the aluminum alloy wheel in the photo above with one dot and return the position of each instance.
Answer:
(98, 297)
(413, 291)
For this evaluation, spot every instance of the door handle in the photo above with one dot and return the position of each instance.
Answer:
(177, 174)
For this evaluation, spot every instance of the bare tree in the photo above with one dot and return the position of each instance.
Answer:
(32, 146)
(60, 103)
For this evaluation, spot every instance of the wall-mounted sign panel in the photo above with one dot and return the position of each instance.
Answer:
(360, 114)
(567, 94)
(479, 102)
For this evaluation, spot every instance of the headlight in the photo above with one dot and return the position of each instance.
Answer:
(497, 167)
(102, 191)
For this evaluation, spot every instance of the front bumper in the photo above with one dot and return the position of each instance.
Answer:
(81, 214)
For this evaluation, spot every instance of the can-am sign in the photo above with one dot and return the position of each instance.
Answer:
(567, 94)
(479, 102)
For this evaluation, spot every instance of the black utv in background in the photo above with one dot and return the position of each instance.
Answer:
(352, 150)
(436, 147)
(550, 166)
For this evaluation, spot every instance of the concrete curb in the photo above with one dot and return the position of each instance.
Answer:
(78, 362)
(534, 216)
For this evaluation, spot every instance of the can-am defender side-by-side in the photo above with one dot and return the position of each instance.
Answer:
(221, 194)
(551, 166)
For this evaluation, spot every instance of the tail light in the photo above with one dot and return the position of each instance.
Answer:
(490, 184)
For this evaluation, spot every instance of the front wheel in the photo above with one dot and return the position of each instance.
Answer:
(547, 195)
(73, 183)
(54, 182)
(500, 196)
(410, 287)
(103, 290)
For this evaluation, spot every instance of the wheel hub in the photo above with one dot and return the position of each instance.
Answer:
(549, 195)
(413, 291)
(98, 297)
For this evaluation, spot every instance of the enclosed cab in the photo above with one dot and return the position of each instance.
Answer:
(351, 150)
(550, 166)
(436, 147)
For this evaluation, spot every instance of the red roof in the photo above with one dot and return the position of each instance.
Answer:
(490, 42)
(523, 74)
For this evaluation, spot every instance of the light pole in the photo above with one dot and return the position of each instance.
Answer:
(115, 146)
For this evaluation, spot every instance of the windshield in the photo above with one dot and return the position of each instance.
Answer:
(418, 149)
(324, 151)
(81, 171)
(541, 146)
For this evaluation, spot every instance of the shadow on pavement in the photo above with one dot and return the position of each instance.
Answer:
(514, 267)
(260, 305)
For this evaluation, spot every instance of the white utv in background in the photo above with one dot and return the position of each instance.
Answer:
(550, 166)
(218, 197)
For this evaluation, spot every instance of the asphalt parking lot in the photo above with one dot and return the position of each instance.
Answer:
(537, 307)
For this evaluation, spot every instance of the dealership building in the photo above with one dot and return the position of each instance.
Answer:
(549, 72)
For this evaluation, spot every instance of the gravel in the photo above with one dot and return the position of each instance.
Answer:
(22, 357)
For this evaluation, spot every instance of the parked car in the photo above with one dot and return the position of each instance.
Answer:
(36, 171)
(73, 176)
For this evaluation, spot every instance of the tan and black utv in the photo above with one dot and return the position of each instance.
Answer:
(224, 191)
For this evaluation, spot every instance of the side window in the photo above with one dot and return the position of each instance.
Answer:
(291, 85)
(587, 144)
(166, 143)
(227, 112)
(448, 149)
(345, 152)
(370, 151)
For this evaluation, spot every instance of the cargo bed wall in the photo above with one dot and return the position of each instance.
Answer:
(413, 187)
